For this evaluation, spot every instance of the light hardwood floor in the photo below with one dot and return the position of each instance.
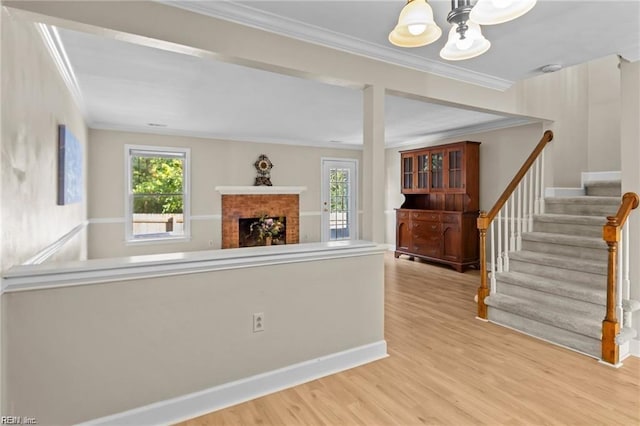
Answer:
(447, 368)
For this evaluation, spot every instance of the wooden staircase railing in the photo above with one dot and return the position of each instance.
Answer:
(611, 233)
(485, 219)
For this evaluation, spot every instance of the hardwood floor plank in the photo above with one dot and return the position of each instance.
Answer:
(447, 368)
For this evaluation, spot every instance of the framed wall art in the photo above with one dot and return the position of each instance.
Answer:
(70, 184)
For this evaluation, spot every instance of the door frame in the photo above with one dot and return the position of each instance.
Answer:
(353, 199)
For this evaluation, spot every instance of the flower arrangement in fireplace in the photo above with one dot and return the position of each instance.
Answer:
(267, 228)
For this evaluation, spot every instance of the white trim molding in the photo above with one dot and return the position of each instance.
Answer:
(54, 247)
(195, 404)
(262, 20)
(589, 177)
(634, 348)
(95, 271)
(564, 192)
(259, 190)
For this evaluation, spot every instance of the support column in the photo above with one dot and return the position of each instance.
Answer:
(3, 370)
(629, 160)
(373, 167)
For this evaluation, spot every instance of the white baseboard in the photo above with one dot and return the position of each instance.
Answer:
(564, 192)
(199, 403)
(634, 348)
(588, 177)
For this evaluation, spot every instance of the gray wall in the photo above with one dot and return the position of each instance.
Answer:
(35, 100)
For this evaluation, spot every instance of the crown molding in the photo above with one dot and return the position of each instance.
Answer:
(631, 54)
(222, 137)
(56, 49)
(463, 131)
(255, 18)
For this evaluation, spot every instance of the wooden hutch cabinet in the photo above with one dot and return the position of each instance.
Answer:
(437, 220)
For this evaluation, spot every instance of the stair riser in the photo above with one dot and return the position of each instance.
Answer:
(584, 209)
(569, 228)
(556, 273)
(547, 332)
(604, 191)
(565, 250)
(595, 311)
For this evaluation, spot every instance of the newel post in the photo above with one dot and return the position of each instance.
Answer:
(483, 290)
(610, 326)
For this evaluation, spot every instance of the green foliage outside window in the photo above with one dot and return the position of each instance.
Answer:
(157, 185)
(338, 190)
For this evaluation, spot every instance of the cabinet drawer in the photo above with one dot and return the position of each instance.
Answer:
(429, 240)
(428, 216)
(426, 227)
(451, 218)
(427, 250)
(400, 214)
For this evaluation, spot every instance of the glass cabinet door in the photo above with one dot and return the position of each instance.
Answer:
(437, 172)
(455, 168)
(407, 172)
(423, 171)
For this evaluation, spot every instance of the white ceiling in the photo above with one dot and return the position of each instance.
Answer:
(133, 87)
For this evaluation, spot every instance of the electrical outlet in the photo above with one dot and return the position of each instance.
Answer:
(258, 322)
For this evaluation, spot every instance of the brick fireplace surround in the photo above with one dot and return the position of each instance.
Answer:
(254, 201)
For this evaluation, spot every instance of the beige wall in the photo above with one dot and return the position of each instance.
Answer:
(583, 101)
(502, 153)
(603, 119)
(100, 349)
(630, 134)
(213, 163)
(38, 101)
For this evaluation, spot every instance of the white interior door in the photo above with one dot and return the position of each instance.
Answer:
(339, 199)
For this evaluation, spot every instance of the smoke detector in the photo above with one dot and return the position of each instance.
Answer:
(551, 68)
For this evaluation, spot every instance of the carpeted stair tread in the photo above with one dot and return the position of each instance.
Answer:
(550, 333)
(564, 239)
(563, 262)
(561, 317)
(571, 219)
(568, 289)
(584, 199)
(609, 188)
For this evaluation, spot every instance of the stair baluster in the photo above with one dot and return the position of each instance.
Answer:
(519, 227)
(511, 242)
(537, 194)
(525, 206)
(493, 263)
(499, 260)
(542, 183)
(512, 234)
(505, 255)
(531, 197)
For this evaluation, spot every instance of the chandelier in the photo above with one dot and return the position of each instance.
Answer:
(416, 26)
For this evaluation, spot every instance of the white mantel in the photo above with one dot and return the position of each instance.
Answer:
(259, 190)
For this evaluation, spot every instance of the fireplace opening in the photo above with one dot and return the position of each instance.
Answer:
(262, 231)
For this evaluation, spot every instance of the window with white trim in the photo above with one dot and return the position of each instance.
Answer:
(157, 201)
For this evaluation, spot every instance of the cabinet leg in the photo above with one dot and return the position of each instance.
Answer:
(458, 268)
(396, 254)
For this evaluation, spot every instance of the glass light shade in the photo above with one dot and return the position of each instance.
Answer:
(413, 16)
(491, 12)
(416, 29)
(474, 44)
